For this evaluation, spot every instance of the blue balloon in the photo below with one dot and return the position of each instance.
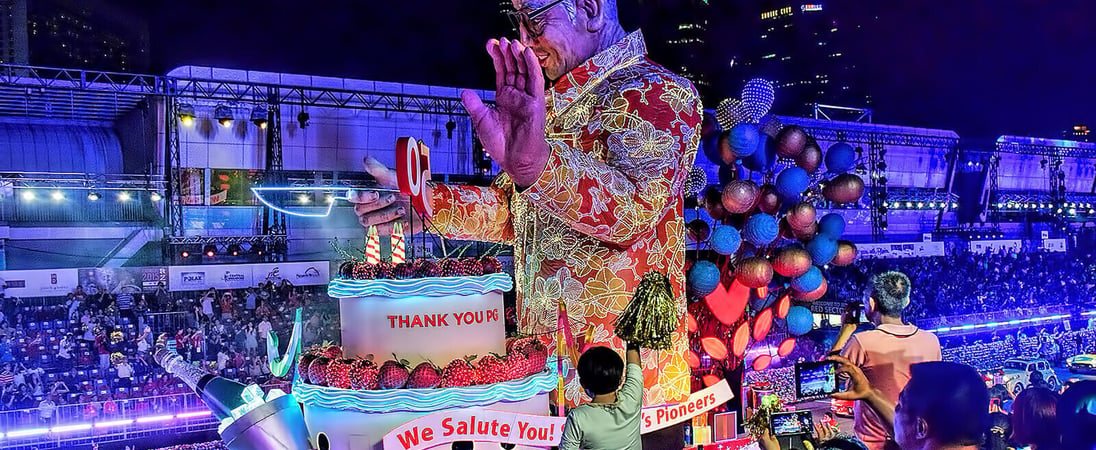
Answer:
(840, 158)
(744, 137)
(761, 229)
(822, 249)
(726, 240)
(800, 320)
(808, 281)
(710, 147)
(832, 225)
(703, 277)
(765, 156)
(791, 182)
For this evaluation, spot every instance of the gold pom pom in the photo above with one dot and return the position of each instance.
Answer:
(651, 317)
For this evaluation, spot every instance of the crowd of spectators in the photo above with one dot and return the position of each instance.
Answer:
(968, 283)
(88, 355)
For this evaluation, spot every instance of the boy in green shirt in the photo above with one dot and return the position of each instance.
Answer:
(611, 420)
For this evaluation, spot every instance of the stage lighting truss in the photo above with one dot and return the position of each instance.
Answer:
(185, 113)
(223, 115)
(297, 200)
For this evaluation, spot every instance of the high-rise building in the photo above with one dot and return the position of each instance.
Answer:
(1079, 132)
(687, 43)
(84, 34)
(803, 49)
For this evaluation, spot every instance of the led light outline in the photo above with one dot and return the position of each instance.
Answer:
(422, 287)
(342, 193)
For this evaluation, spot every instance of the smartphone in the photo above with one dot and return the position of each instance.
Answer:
(816, 379)
(791, 423)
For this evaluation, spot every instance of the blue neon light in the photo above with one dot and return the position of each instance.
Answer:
(422, 287)
(1010, 322)
(337, 193)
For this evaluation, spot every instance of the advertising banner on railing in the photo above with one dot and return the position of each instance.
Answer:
(122, 279)
(241, 276)
(1054, 245)
(39, 283)
(1009, 245)
(900, 250)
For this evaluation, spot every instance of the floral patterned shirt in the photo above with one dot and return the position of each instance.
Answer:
(608, 208)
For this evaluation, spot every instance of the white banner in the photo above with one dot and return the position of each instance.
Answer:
(480, 425)
(242, 276)
(310, 273)
(1012, 245)
(1054, 245)
(39, 283)
(900, 250)
(219, 276)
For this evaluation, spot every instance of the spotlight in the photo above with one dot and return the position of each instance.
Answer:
(259, 116)
(303, 118)
(1059, 211)
(234, 249)
(93, 196)
(210, 250)
(304, 199)
(1072, 211)
(909, 204)
(186, 114)
(28, 195)
(329, 199)
(449, 127)
(185, 254)
(954, 204)
(1091, 211)
(920, 205)
(155, 196)
(57, 196)
(223, 115)
(123, 196)
(259, 248)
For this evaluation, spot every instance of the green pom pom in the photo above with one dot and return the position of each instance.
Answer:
(651, 317)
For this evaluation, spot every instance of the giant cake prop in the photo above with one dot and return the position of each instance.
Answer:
(417, 338)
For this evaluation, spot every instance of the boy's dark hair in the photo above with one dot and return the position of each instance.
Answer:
(891, 291)
(600, 369)
(952, 398)
(1034, 418)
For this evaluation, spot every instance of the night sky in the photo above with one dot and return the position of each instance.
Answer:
(980, 67)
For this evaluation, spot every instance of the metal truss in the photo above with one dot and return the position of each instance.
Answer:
(828, 112)
(1046, 147)
(268, 239)
(77, 95)
(232, 91)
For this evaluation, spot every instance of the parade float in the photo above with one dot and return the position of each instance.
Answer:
(424, 360)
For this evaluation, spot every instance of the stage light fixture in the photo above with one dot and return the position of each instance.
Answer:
(28, 195)
(329, 199)
(155, 196)
(303, 119)
(234, 249)
(123, 196)
(909, 204)
(210, 250)
(57, 196)
(920, 205)
(1072, 211)
(259, 248)
(223, 115)
(954, 204)
(186, 115)
(259, 116)
(449, 127)
(304, 199)
(185, 254)
(93, 196)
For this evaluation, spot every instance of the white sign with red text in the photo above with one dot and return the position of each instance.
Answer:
(479, 425)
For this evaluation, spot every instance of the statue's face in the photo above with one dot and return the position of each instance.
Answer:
(554, 36)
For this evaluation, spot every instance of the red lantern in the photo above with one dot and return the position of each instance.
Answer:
(728, 305)
(741, 339)
(690, 322)
(791, 141)
(711, 380)
(846, 253)
(754, 272)
(768, 201)
(782, 306)
(692, 359)
(845, 188)
(714, 347)
(801, 216)
(740, 196)
(762, 324)
(792, 261)
(762, 362)
(810, 158)
(786, 347)
(763, 292)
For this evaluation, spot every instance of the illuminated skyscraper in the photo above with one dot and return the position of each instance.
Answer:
(803, 49)
(83, 34)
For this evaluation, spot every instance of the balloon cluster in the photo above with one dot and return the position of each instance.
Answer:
(769, 244)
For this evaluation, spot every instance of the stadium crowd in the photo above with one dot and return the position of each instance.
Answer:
(88, 355)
